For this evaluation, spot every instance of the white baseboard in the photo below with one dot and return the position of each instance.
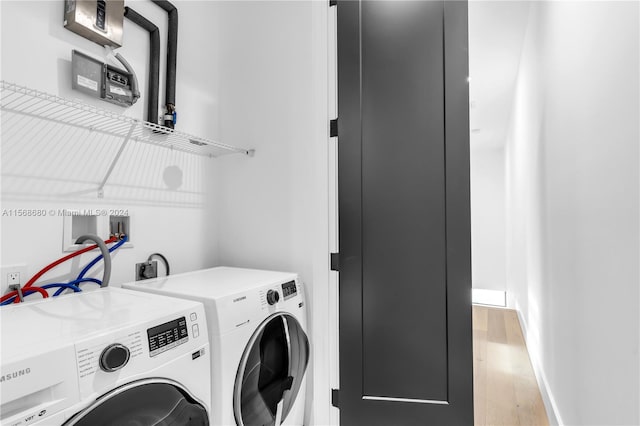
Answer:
(547, 396)
(482, 296)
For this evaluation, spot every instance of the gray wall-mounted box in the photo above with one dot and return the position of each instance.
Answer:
(100, 80)
(97, 20)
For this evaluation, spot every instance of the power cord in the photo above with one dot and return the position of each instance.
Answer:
(164, 260)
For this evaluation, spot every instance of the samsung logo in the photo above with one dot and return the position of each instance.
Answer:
(239, 299)
(15, 374)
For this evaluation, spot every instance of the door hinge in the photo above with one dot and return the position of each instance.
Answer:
(333, 3)
(334, 398)
(335, 261)
(333, 128)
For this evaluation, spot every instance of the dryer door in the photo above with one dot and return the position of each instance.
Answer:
(271, 371)
(149, 402)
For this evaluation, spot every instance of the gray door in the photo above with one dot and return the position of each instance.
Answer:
(405, 274)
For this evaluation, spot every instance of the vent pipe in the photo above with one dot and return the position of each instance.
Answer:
(154, 61)
(172, 51)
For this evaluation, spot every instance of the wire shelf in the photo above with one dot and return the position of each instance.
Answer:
(33, 103)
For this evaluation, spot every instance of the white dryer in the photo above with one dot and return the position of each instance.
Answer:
(108, 357)
(259, 344)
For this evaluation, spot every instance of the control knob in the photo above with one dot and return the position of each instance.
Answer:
(114, 357)
(272, 297)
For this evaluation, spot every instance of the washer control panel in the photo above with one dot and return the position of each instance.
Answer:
(168, 335)
(289, 290)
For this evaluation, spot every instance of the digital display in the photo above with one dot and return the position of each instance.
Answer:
(168, 335)
(289, 289)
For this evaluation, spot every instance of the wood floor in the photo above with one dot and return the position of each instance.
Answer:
(505, 389)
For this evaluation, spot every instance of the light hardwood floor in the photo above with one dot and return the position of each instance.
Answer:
(505, 388)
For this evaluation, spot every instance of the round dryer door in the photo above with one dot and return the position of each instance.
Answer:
(271, 371)
(149, 402)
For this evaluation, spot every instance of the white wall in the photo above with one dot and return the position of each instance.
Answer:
(41, 162)
(273, 210)
(250, 74)
(488, 257)
(496, 34)
(573, 207)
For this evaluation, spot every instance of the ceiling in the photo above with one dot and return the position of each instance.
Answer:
(496, 35)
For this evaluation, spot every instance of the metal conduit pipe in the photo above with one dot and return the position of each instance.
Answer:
(172, 53)
(154, 61)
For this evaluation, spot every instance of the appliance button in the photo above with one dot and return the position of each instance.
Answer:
(196, 330)
(114, 357)
(272, 297)
(194, 316)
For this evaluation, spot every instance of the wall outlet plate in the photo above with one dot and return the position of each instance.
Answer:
(13, 274)
(13, 278)
(146, 270)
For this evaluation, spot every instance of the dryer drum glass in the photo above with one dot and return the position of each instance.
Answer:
(271, 371)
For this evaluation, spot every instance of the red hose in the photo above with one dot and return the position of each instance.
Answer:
(14, 293)
(64, 259)
(48, 268)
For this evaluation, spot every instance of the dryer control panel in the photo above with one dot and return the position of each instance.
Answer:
(289, 290)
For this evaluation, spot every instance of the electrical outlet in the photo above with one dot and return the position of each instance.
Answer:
(12, 275)
(146, 270)
(13, 278)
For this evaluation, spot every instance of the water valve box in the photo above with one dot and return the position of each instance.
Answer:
(97, 20)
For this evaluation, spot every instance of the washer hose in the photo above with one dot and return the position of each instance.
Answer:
(106, 274)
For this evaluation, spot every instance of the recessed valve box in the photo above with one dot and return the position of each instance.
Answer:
(97, 20)
(101, 80)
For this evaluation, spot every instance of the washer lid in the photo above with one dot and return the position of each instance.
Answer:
(149, 402)
(271, 371)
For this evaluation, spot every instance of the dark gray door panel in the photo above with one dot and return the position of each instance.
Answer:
(405, 287)
(403, 197)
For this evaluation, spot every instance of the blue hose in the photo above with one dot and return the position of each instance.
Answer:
(99, 258)
(63, 286)
(75, 284)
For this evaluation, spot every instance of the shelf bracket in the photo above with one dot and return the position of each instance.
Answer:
(115, 160)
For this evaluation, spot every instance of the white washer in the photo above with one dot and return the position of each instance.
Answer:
(260, 348)
(107, 357)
